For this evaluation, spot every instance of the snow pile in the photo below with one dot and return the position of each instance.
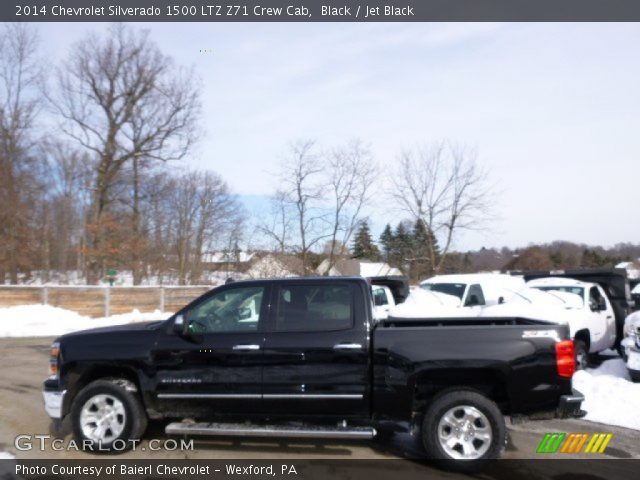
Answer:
(429, 304)
(46, 321)
(610, 397)
(6, 456)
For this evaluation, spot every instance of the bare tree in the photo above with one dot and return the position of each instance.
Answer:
(125, 102)
(301, 180)
(206, 216)
(278, 225)
(443, 187)
(20, 81)
(351, 178)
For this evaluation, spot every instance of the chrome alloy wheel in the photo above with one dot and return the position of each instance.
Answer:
(102, 418)
(464, 433)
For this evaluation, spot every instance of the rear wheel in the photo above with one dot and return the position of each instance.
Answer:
(463, 428)
(635, 375)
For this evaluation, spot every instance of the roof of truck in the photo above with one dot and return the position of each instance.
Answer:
(558, 282)
(469, 278)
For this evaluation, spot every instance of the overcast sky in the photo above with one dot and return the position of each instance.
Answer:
(552, 109)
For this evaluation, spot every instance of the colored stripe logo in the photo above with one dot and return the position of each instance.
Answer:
(573, 443)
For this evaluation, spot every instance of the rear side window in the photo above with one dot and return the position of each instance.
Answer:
(314, 308)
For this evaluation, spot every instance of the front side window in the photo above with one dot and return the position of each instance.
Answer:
(454, 289)
(379, 297)
(231, 310)
(475, 296)
(595, 299)
(314, 308)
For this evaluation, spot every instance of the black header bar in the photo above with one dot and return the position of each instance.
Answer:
(320, 11)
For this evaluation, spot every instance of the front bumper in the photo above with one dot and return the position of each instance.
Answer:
(53, 398)
(569, 406)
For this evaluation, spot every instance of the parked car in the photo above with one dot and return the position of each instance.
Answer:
(631, 345)
(474, 290)
(592, 322)
(312, 364)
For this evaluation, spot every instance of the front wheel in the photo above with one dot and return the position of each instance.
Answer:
(463, 426)
(582, 355)
(106, 417)
(635, 375)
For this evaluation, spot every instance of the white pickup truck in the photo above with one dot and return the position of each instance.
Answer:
(474, 290)
(592, 323)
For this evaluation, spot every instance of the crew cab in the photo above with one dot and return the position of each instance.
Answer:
(305, 358)
(592, 324)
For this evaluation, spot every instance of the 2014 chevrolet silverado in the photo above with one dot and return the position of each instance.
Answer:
(305, 358)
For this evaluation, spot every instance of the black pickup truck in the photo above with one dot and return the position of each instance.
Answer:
(304, 358)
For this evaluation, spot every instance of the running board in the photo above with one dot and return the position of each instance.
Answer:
(249, 430)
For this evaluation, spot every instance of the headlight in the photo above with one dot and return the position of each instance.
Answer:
(53, 359)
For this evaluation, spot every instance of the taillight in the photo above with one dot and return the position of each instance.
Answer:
(53, 359)
(566, 358)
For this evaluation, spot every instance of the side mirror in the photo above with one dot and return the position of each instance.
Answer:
(180, 325)
(500, 300)
(378, 301)
(244, 313)
(602, 304)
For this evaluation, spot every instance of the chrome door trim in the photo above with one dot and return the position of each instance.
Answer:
(209, 395)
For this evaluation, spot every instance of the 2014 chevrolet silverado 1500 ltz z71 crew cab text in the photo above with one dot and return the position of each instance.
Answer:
(305, 358)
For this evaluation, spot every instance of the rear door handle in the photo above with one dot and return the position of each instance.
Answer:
(347, 346)
(246, 348)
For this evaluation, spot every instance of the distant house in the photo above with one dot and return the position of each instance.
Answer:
(275, 265)
(354, 267)
(228, 261)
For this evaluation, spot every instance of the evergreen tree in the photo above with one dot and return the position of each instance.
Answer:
(402, 246)
(363, 246)
(386, 242)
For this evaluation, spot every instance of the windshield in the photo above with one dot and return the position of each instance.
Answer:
(454, 289)
(567, 289)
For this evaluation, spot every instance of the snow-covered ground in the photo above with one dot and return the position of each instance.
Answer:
(610, 396)
(46, 321)
(6, 456)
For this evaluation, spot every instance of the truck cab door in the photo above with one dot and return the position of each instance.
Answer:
(597, 303)
(608, 317)
(316, 355)
(382, 302)
(215, 364)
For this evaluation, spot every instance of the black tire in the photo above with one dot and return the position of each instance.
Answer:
(443, 404)
(635, 375)
(134, 420)
(622, 352)
(582, 354)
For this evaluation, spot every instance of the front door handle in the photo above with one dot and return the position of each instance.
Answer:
(246, 348)
(347, 346)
